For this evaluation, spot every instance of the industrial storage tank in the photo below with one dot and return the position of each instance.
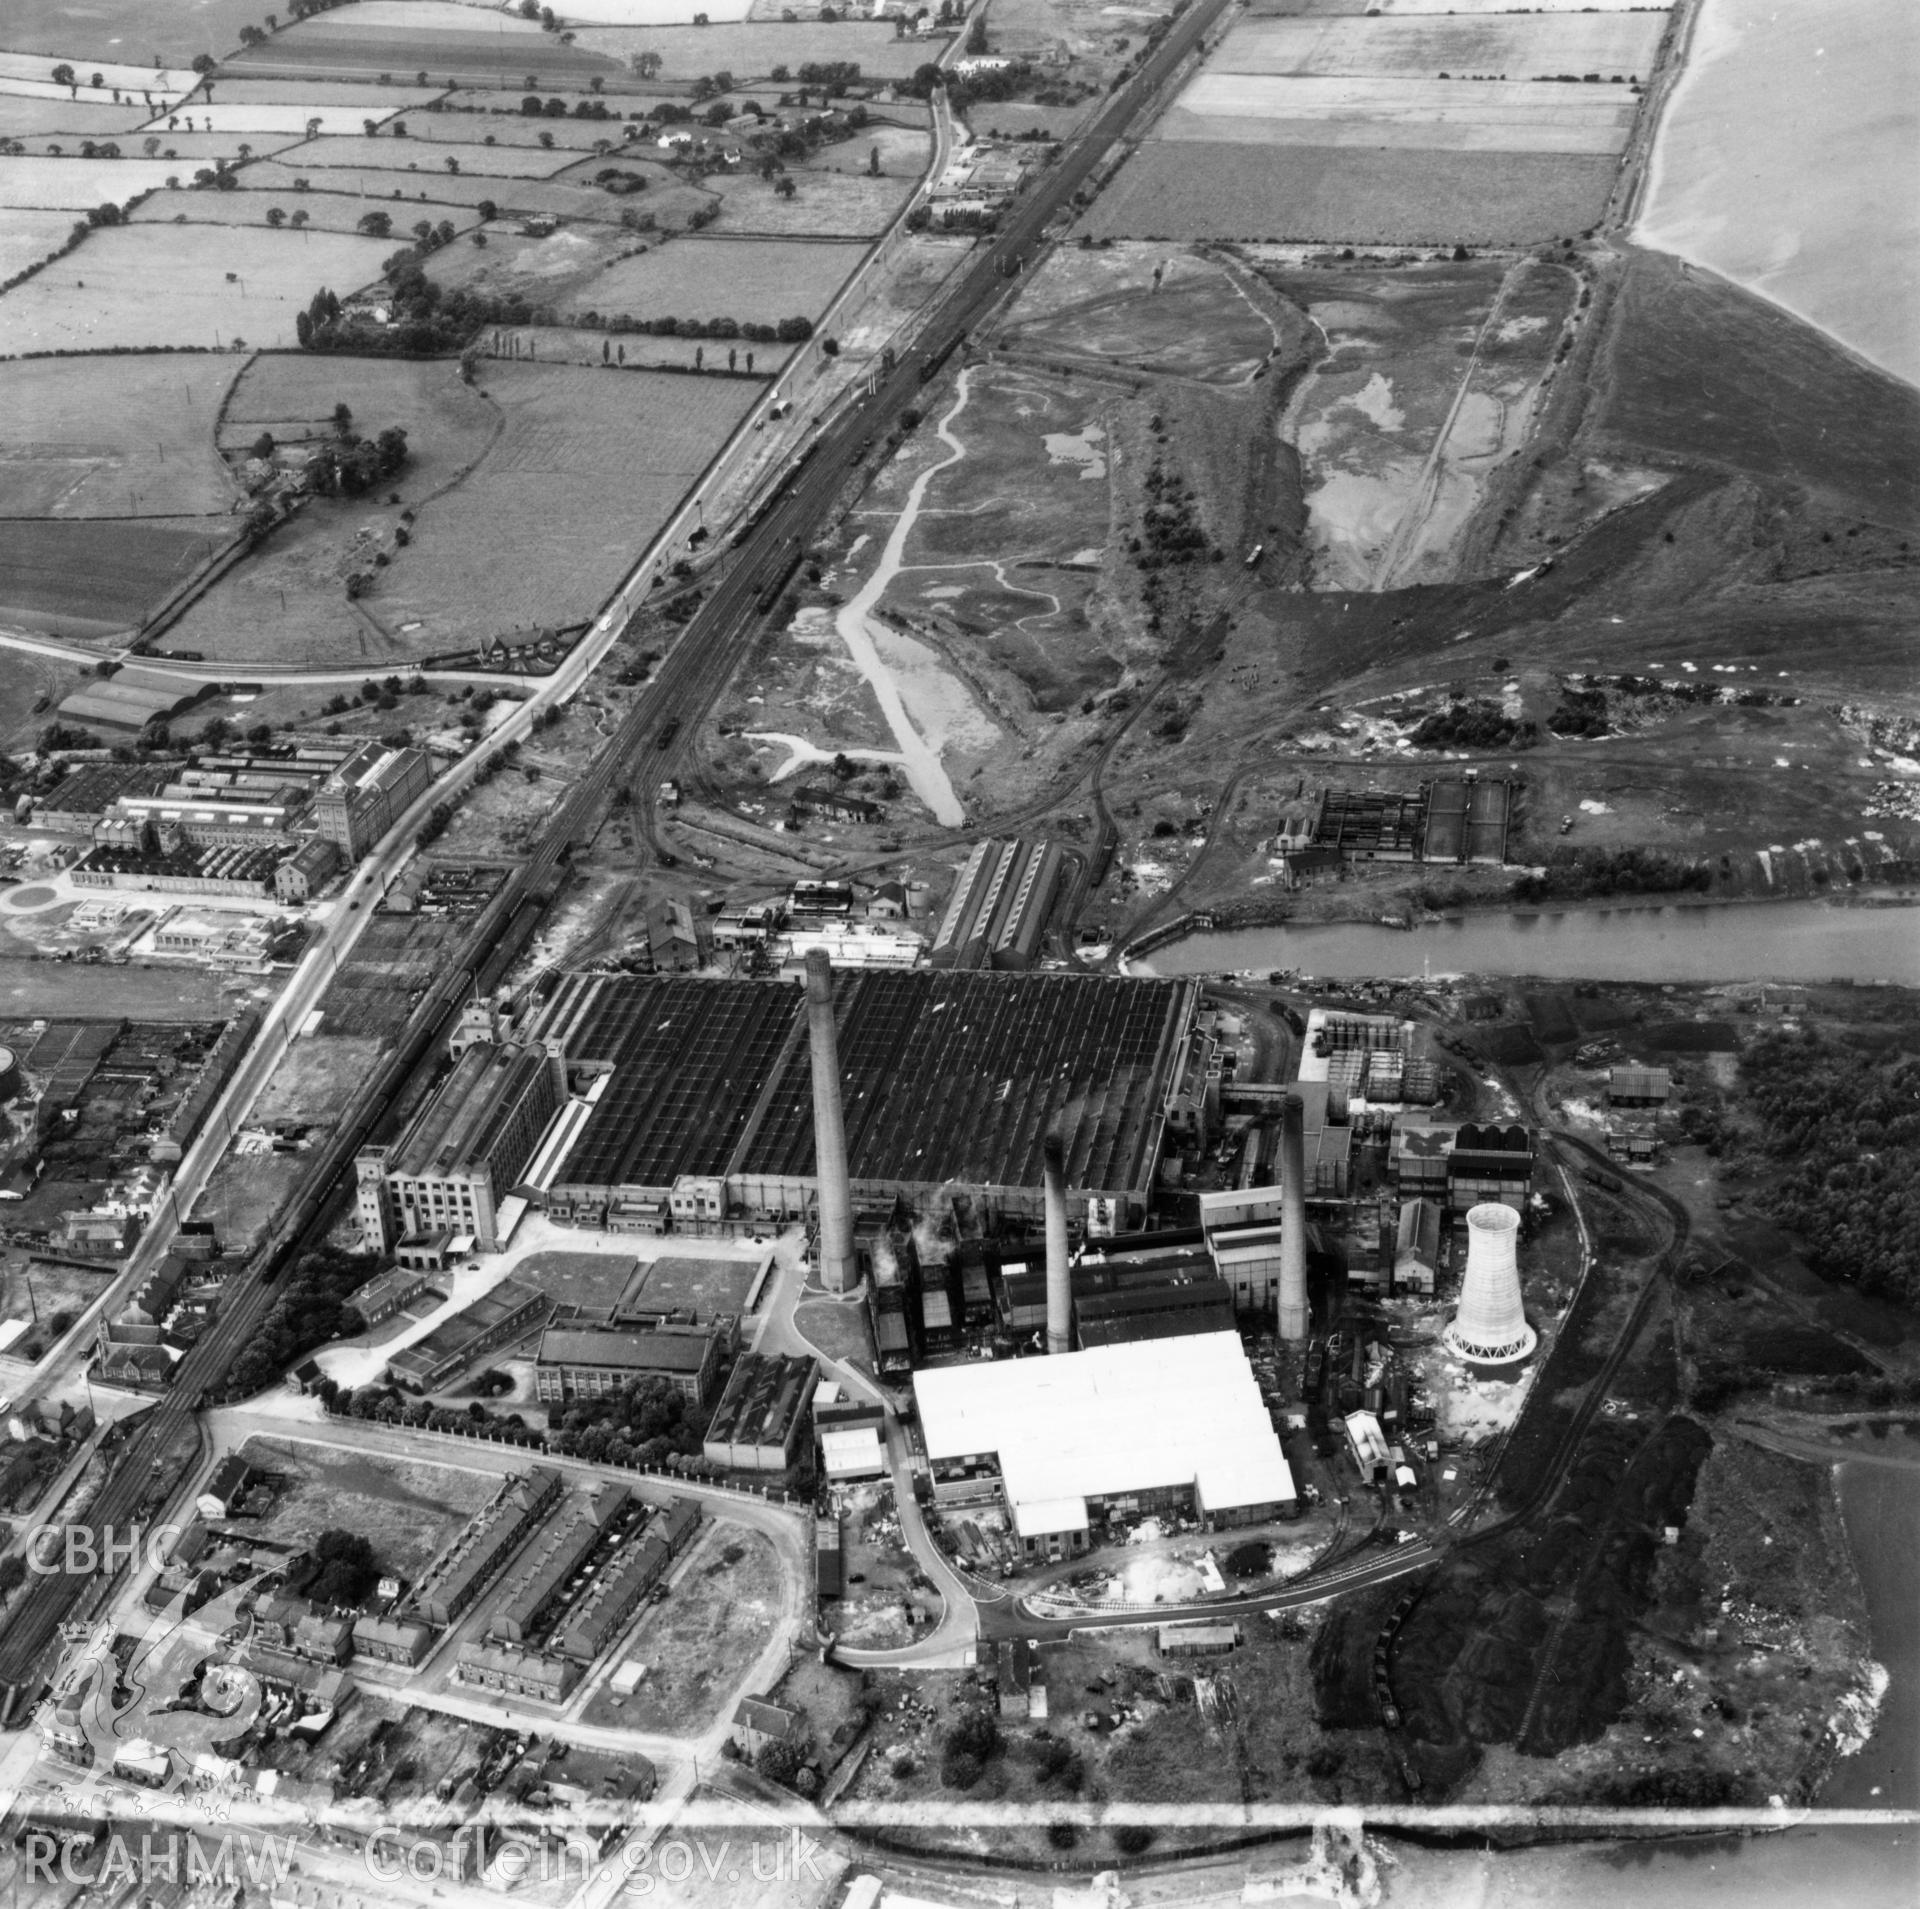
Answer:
(9, 1076)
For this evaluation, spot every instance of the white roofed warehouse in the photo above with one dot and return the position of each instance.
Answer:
(1162, 1425)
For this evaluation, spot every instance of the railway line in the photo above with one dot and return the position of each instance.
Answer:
(650, 740)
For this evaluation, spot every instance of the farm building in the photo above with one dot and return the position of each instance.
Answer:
(592, 1363)
(949, 1083)
(761, 1415)
(1074, 1440)
(464, 1150)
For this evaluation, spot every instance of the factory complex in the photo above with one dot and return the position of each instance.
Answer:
(1174, 1425)
(671, 1103)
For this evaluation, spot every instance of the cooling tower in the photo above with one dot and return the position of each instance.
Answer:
(1490, 1327)
(837, 1269)
(1059, 1275)
(1293, 1221)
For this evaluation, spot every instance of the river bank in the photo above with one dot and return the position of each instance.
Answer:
(1801, 941)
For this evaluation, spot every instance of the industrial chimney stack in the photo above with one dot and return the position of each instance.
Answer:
(837, 1268)
(1490, 1326)
(1059, 1275)
(1293, 1221)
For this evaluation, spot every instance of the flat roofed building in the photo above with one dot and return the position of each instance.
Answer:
(1176, 1424)
(509, 1311)
(591, 1363)
(465, 1150)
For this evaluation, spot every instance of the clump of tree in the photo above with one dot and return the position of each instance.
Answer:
(1580, 712)
(337, 1568)
(969, 1745)
(1472, 722)
(644, 1423)
(1839, 1134)
(1578, 874)
(313, 1307)
(353, 465)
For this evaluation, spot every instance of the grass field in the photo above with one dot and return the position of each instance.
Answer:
(286, 600)
(404, 157)
(23, 117)
(755, 279)
(317, 1078)
(73, 577)
(475, 49)
(509, 129)
(121, 437)
(750, 51)
(69, 184)
(1173, 189)
(130, 29)
(19, 65)
(1441, 114)
(27, 236)
(220, 285)
(650, 13)
(326, 211)
(824, 205)
(587, 467)
(1322, 9)
(433, 187)
(1519, 46)
(1013, 119)
(337, 95)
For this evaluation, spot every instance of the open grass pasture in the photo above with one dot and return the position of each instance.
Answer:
(751, 279)
(114, 437)
(1212, 189)
(130, 30)
(570, 469)
(1400, 9)
(750, 50)
(406, 157)
(69, 119)
(77, 578)
(325, 211)
(824, 205)
(1516, 46)
(510, 129)
(28, 236)
(337, 95)
(468, 46)
(141, 286)
(431, 189)
(591, 465)
(1432, 114)
(200, 147)
(72, 185)
(651, 13)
